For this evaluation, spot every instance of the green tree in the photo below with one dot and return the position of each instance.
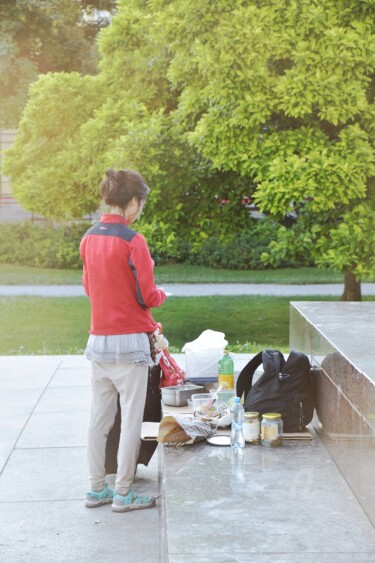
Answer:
(215, 100)
(283, 93)
(74, 127)
(39, 36)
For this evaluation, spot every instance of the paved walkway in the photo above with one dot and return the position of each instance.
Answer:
(198, 289)
(44, 413)
(44, 408)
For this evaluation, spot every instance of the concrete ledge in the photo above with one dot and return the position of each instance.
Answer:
(287, 504)
(279, 505)
(339, 338)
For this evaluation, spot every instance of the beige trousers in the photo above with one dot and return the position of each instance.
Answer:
(130, 381)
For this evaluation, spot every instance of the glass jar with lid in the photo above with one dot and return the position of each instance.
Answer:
(271, 429)
(251, 428)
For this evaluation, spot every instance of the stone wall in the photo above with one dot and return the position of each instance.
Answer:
(339, 339)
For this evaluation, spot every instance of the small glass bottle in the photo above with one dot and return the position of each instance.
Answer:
(251, 428)
(271, 429)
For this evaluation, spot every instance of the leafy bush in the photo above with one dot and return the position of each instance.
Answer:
(162, 242)
(244, 251)
(58, 247)
(43, 247)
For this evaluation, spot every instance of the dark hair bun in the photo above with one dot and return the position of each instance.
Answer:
(119, 187)
(111, 174)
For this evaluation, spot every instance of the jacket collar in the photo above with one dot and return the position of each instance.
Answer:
(113, 218)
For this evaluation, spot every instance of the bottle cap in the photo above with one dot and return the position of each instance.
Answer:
(237, 399)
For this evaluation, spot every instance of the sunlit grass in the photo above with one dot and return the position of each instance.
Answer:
(11, 274)
(37, 325)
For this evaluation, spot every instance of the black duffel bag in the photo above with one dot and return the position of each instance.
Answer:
(152, 413)
(285, 387)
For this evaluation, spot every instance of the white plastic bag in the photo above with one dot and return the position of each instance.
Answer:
(202, 356)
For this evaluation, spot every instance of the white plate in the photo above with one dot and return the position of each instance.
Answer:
(219, 440)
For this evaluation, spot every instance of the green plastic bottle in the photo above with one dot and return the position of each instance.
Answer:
(226, 371)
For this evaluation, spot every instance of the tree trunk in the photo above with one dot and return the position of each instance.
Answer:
(352, 288)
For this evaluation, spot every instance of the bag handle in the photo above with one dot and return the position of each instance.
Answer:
(245, 379)
(276, 361)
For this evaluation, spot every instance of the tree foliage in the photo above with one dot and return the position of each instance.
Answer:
(216, 100)
(39, 36)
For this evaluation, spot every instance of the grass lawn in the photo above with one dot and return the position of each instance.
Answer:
(37, 325)
(43, 326)
(181, 273)
(11, 274)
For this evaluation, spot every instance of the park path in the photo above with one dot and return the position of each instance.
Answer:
(197, 289)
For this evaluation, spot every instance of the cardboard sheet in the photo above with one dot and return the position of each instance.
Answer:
(297, 436)
(149, 430)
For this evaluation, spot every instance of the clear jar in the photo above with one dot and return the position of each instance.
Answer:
(251, 428)
(271, 429)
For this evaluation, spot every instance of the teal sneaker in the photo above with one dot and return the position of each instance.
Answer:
(94, 498)
(131, 501)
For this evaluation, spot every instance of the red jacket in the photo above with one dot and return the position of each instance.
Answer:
(118, 276)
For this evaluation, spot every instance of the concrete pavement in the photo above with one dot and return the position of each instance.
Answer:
(197, 289)
(44, 413)
(44, 409)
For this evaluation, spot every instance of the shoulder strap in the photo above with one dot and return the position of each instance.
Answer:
(245, 379)
(276, 361)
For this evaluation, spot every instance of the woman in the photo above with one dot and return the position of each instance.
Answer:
(118, 277)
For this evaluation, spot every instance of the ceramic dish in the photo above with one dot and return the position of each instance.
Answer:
(219, 440)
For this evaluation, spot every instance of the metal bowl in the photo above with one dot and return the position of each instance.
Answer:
(178, 395)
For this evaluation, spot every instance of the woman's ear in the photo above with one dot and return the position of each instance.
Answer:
(133, 209)
(135, 203)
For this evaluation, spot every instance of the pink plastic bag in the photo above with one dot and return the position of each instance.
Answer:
(171, 372)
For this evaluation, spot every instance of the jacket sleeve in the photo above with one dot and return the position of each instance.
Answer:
(142, 266)
(85, 281)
